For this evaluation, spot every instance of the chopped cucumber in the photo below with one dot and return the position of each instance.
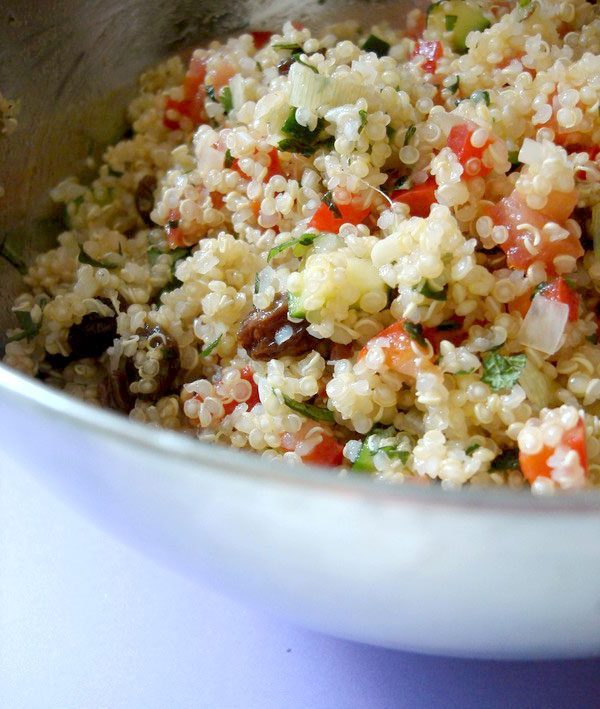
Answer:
(466, 17)
(364, 461)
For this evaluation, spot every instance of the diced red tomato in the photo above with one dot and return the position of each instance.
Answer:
(512, 211)
(325, 220)
(559, 290)
(274, 165)
(419, 198)
(192, 104)
(459, 141)
(399, 352)
(535, 466)
(247, 374)
(454, 334)
(328, 452)
(431, 51)
(261, 38)
(175, 235)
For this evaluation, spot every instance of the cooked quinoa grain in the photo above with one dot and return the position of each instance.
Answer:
(371, 249)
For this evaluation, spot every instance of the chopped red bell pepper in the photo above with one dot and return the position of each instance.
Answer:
(175, 235)
(451, 330)
(419, 198)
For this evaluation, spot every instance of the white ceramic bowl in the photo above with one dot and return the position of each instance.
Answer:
(479, 572)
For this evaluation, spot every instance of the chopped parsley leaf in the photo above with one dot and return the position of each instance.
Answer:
(509, 460)
(451, 22)
(408, 136)
(299, 139)
(472, 448)
(333, 208)
(363, 120)
(86, 258)
(503, 372)
(228, 158)
(210, 92)
(226, 99)
(7, 253)
(453, 88)
(29, 329)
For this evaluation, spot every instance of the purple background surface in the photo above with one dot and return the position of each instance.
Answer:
(87, 622)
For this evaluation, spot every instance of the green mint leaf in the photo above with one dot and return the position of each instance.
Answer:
(503, 372)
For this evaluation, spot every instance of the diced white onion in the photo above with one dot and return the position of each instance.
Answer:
(544, 325)
(537, 386)
(326, 242)
(283, 334)
(595, 229)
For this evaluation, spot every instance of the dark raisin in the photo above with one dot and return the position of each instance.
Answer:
(285, 65)
(144, 198)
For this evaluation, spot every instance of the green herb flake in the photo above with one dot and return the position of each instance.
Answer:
(389, 131)
(480, 96)
(448, 325)
(173, 223)
(153, 254)
(472, 448)
(256, 283)
(299, 139)
(295, 47)
(427, 290)
(333, 208)
(86, 258)
(29, 329)
(451, 22)
(226, 99)
(316, 413)
(503, 372)
(540, 288)
(508, 460)
(377, 45)
(304, 240)
(210, 92)
(228, 159)
(207, 350)
(408, 136)
(415, 330)
(363, 120)
(453, 88)
(113, 173)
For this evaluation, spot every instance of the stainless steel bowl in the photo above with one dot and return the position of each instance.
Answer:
(488, 572)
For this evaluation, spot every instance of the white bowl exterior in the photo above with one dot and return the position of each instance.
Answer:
(404, 573)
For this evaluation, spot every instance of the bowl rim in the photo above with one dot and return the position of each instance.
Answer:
(37, 396)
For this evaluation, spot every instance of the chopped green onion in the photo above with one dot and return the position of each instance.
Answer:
(304, 240)
(374, 44)
(316, 413)
(207, 350)
(479, 96)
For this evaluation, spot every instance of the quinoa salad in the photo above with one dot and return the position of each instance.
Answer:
(371, 249)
